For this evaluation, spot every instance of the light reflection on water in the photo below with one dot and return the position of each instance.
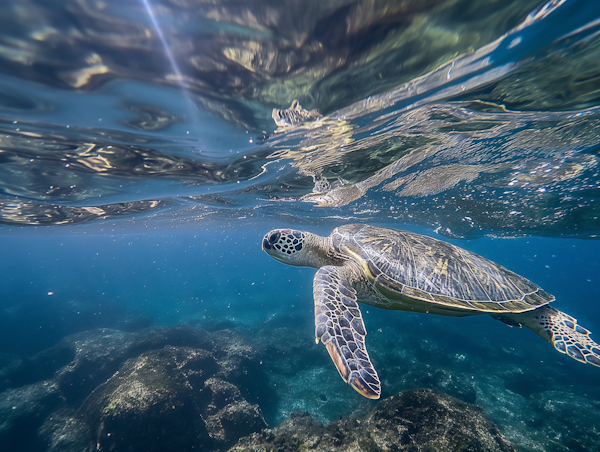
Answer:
(448, 149)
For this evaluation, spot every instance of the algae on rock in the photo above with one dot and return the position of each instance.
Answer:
(418, 420)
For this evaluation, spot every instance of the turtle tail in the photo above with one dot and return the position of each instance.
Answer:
(562, 331)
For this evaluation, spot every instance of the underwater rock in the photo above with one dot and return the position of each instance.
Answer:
(176, 388)
(434, 420)
(413, 420)
(228, 416)
(99, 353)
(27, 370)
(155, 397)
(23, 410)
(62, 431)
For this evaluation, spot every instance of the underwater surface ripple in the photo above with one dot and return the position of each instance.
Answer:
(147, 147)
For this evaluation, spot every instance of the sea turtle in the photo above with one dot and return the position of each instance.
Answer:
(400, 270)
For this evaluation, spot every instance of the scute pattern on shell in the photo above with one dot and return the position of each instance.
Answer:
(403, 264)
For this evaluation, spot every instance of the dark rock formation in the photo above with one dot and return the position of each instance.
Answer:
(23, 410)
(159, 395)
(414, 420)
(100, 353)
(161, 389)
(63, 432)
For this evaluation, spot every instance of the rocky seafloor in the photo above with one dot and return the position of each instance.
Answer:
(414, 420)
(158, 389)
(216, 386)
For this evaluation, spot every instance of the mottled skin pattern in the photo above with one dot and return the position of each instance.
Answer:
(400, 270)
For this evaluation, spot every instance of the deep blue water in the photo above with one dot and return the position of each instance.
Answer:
(177, 275)
(138, 175)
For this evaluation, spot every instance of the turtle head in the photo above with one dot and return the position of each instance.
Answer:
(292, 247)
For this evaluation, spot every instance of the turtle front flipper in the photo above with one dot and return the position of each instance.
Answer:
(339, 325)
(562, 331)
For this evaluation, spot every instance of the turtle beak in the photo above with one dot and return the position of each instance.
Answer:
(265, 242)
(265, 245)
(269, 240)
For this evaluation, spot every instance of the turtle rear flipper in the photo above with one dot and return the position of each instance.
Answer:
(339, 325)
(562, 331)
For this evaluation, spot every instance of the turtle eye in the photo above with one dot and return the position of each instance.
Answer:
(274, 238)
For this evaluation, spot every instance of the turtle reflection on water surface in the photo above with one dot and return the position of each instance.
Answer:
(400, 270)
(293, 116)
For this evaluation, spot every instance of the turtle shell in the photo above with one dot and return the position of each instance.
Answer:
(403, 264)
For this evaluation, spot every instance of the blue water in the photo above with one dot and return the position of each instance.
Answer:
(136, 186)
(178, 275)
